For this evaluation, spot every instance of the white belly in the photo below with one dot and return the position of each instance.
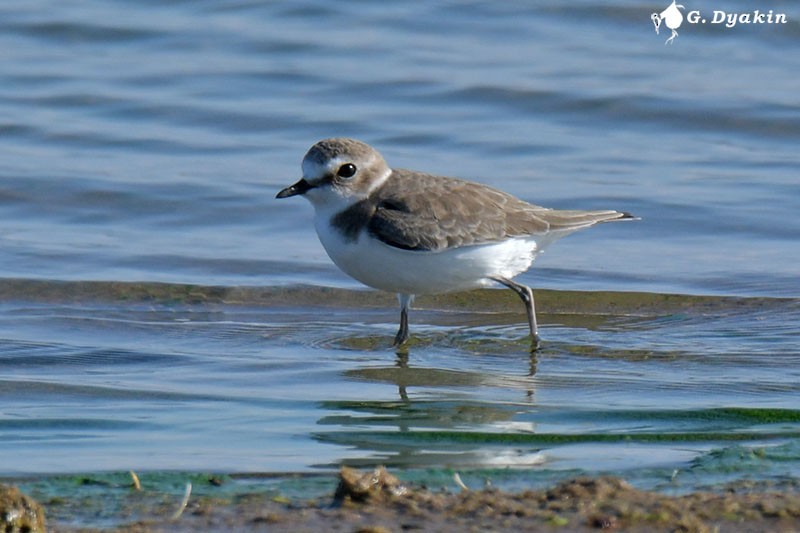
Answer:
(384, 267)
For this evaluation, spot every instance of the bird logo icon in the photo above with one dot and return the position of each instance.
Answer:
(672, 17)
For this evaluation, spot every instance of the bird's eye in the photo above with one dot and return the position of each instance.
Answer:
(347, 170)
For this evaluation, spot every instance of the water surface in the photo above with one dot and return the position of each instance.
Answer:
(161, 311)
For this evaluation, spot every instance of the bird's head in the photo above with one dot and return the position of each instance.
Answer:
(340, 171)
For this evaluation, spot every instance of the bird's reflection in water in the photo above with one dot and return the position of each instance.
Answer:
(447, 418)
(402, 364)
(533, 365)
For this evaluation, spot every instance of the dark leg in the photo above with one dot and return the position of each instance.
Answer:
(402, 333)
(526, 295)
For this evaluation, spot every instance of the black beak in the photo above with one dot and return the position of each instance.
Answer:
(293, 190)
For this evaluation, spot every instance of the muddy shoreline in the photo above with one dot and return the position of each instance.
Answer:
(377, 501)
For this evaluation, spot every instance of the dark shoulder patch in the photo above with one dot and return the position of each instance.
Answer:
(352, 220)
(394, 205)
(396, 227)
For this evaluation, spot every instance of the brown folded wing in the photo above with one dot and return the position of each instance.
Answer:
(423, 212)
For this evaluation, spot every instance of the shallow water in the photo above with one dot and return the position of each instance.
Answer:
(149, 312)
(253, 380)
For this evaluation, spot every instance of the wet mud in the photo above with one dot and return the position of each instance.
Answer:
(378, 501)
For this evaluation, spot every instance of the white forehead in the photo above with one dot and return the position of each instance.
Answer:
(315, 169)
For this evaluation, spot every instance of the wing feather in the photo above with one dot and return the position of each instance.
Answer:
(416, 211)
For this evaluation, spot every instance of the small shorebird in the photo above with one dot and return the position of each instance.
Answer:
(413, 233)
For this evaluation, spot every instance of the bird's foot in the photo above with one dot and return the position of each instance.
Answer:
(401, 339)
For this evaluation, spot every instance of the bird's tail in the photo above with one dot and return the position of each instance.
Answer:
(565, 219)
